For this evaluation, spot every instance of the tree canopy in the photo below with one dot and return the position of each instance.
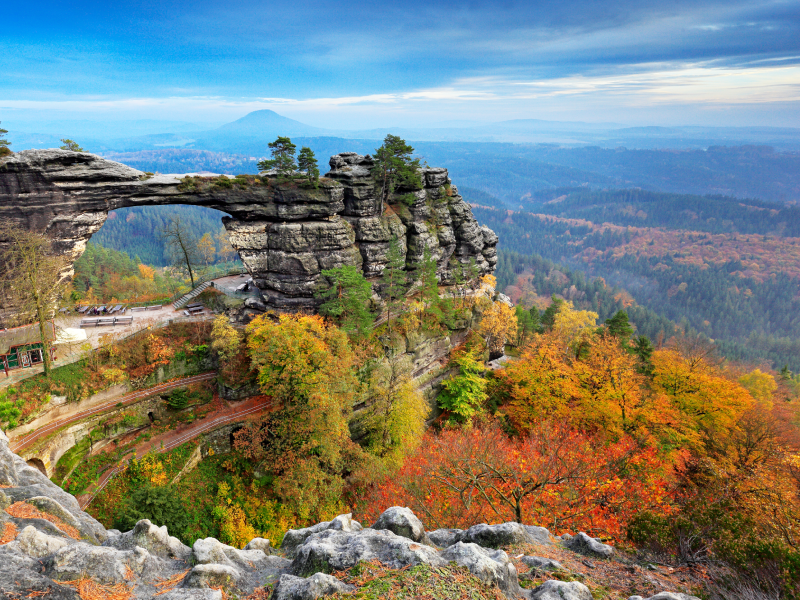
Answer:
(348, 299)
(33, 279)
(307, 163)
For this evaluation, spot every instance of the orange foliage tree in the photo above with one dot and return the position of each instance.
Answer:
(555, 477)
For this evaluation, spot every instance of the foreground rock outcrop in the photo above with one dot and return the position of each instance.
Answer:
(285, 232)
(48, 547)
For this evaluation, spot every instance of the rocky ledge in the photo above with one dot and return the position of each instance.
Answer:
(286, 232)
(51, 549)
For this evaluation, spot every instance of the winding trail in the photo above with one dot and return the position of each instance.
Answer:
(28, 440)
(172, 439)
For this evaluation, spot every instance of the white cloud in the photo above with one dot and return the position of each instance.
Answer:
(599, 97)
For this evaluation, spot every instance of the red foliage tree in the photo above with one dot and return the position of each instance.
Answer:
(555, 477)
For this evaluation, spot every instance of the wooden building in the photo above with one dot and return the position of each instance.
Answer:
(21, 347)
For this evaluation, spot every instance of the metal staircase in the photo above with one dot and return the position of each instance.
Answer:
(184, 300)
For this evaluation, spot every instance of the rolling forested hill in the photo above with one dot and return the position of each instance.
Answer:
(743, 290)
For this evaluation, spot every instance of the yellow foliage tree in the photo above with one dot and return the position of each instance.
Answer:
(394, 421)
(614, 398)
(308, 367)
(575, 327)
(760, 385)
(226, 251)
(147, 272)
(207, 249)
(499, 324)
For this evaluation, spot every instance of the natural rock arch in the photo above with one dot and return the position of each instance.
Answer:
(285, 233)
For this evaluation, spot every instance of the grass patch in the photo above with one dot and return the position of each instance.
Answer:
(377, 582)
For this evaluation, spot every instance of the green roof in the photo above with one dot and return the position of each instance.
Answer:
(22, 336)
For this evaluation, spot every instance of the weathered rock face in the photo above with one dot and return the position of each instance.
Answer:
(285, 232)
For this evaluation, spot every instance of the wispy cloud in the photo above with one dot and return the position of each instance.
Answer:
(657, 85)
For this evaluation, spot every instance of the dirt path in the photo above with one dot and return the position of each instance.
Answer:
(21, 443)
(170, 440)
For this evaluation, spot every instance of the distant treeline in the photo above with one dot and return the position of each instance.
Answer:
(750, 319)
(642, 208)
(176, 160)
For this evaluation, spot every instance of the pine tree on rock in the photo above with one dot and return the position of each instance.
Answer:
(395, 168)
(283, 151)
(71, 145)
(348, 299)
(4, 143)
(307, 163)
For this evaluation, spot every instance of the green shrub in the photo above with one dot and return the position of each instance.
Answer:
(178, 399)
(222, 182)
(10, 409)
(160, 505)
(464, 393)
(128, 420)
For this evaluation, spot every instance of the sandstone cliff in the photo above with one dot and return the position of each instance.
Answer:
(285, 232)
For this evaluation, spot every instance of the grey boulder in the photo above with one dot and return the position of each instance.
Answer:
(401, 521)
(492, 567)
(294, 537)
(584, 544)
(210, 550)
(212, 576)
(445, 537)
(539, 535)
(260, 544)
(667, 596)
(542, 564)
(192, 594)
(561, 590)
(290, 587)
(38, 544)
(156, 540)
(107, 565)
(333, 550)
(494, 536)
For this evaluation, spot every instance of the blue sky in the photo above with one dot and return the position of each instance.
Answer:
(368, 64)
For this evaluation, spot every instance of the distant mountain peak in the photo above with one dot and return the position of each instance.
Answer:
(267, 122)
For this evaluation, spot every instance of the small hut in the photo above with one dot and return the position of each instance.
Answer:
(21, 347)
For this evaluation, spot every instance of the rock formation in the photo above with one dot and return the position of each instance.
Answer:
(286, 232)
